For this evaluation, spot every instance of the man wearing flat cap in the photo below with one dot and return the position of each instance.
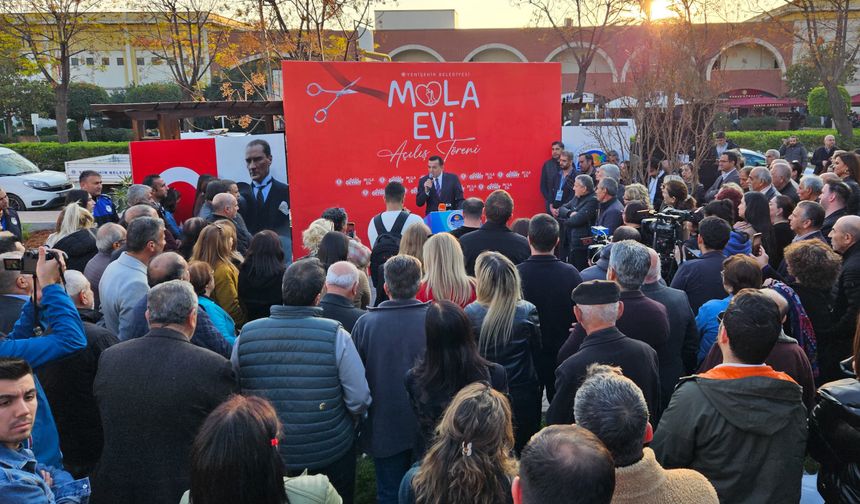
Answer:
(597, 306)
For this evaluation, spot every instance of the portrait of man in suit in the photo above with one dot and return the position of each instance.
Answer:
(267, 200)
(438, 187)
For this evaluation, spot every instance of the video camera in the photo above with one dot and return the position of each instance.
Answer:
(599, 238)
(27, 263)
(664, 233)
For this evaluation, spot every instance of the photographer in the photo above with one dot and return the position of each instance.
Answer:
(65, 336)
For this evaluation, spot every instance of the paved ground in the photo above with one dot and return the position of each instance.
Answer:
(39, 220)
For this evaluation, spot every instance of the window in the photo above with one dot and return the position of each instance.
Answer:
(140, 62)
(91, 61)
(75, 62)
(105, 61)
(120, 62)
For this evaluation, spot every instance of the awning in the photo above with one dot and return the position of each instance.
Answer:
(855, 100)
(762, 101)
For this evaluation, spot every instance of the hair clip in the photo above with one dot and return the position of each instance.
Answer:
(274, 441)
(466, 448)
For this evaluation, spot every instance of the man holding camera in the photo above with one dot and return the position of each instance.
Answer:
(66, 336)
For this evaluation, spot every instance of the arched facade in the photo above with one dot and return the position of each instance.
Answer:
(415, 53)
(496, 53)
(601, 64)
(748, 53)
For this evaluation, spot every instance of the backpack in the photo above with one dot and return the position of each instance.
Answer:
(387, 245)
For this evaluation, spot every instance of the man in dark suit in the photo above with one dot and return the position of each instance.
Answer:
(268, 200)
(728, 173)
(494, 234)
(762, 182)
(439, 188)
(683, 342)
(709, 168)
(702, 278)
(655, 183)
(548, 283)
(15, 290)
(9, 220)
(153, 394)
(597, 308)
(548, 173)
(341, 283)
(834, 200)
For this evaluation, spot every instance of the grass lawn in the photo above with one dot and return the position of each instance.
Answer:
(365, 481)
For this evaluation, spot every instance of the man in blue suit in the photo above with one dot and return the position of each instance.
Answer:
(437, 188)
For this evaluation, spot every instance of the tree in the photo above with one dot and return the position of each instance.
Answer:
(829, 36)
(582, 26)
(801, 78)
(81, 96)
(186, 35)
(155, 92)
(20, 95)
(51, 31)
(819, 102)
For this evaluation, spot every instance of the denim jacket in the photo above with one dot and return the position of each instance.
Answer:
(21, 481)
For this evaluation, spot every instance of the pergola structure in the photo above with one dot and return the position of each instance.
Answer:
(170, 114)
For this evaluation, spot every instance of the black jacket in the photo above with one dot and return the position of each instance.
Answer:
(821, 158)
(153, 394)
(701, 279)
(852, 206)
(835, 344)
(10, 311)
(708, 169)
(548, 173)
(496, 237)
(269, 216)
(547, 283)
(830, 221)
(607, 346)
(834, 440)
(80, 246)
(578, 215)
(12, 223)
(68, 384)
(609, 214)
(451, 193)
(258, 293)
(566, 189)
(339, 308)
(517, 355)
(683, 343)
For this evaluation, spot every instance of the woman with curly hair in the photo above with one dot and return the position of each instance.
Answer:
(470, 461)
(815, 268)
(637, 192)
(215, 248)
(445, 275)
(313, 235)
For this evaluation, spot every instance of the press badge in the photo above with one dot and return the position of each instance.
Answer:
(558, 195)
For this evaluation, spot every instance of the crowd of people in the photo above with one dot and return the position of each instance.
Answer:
(152, 360)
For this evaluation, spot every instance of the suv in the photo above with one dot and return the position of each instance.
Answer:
(27, 186)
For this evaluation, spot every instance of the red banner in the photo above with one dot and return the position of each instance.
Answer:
(353, 127)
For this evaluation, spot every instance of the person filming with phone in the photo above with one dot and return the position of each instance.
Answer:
(49, 314)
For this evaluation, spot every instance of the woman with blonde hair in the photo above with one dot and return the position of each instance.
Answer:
(215, 248)
(637, 192)
(445, 272)
(413, 241)
(470, 461)
(313, 235)
(75, 236)
(508, 331)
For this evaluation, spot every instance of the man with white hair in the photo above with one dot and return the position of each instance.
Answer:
(770, 156)
(810, 188)
(139, 193)
(153, 395)
(821, 156)
(597, 308)
(225, 206)
(109, 238)
(341, 284)
(68, 383)
(780, 174)
(761, 181)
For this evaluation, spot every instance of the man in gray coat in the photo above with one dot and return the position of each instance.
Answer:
(390, 338)
(308, 367)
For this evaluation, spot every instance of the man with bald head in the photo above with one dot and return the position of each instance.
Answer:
(787, 356)
(835, 344)
(226, 207)
(683, 335)
(341, 284)
(164, 268)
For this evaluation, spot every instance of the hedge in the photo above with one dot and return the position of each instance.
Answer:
(764, 140)
(53, 156)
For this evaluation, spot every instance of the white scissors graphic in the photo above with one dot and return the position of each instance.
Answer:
(315, 89)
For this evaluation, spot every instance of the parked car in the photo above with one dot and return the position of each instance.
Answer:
(28, 187)
(753, 158)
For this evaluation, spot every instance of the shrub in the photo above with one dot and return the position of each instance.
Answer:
(758, 123)
(818, 102)
(764, 140)
(53, 156)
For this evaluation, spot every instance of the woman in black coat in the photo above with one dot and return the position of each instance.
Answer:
(450, 362)
(261, 274)
(578, 215)
(76, 236)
